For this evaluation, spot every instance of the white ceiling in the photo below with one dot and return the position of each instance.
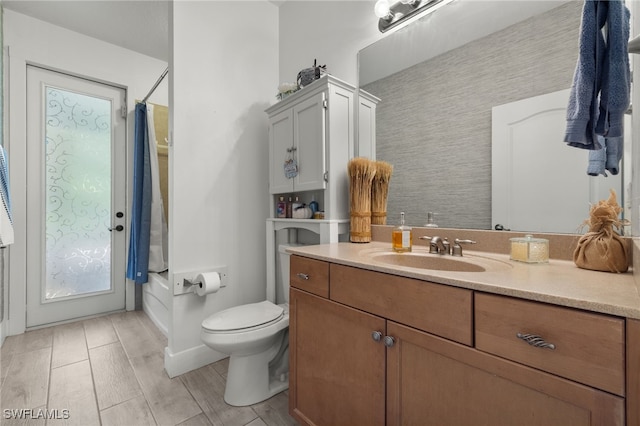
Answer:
(138, 25)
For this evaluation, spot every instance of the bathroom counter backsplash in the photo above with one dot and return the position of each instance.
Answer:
(561, 246)
(558, 282)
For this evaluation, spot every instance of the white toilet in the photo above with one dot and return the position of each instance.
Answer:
(256, 336)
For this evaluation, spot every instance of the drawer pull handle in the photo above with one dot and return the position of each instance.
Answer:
(376, 335)
(535, 340)
(303, 276)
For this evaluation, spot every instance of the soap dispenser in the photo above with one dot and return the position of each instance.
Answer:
(401, 238)
(313, 205)
(431, 223)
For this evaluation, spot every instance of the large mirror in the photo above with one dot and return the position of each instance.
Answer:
(439, 79)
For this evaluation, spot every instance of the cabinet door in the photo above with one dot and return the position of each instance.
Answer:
(432, 381)
(337, 370)
(280, 140)
(309, 135)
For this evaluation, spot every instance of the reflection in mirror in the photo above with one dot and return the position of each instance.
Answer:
(434, 121)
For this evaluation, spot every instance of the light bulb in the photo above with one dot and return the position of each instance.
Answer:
(382, 9)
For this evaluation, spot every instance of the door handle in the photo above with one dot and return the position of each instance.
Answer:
(117, 228)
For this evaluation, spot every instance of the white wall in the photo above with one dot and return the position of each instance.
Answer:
(223, 77)
(330, 31)
(36, 42)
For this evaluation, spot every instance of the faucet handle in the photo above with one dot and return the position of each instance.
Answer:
(456, 250)
(459, 241)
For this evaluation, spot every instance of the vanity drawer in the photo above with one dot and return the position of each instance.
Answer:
(437, 309)
(309, 275)
(588, 347)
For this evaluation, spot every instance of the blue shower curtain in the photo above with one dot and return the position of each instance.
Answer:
(138, 262)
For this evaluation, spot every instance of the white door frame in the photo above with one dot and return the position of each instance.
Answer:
(16, 99)
(42, 311)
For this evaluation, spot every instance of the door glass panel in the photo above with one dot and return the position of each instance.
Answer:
(78, 193)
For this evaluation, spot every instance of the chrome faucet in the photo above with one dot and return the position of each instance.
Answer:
(438, 245)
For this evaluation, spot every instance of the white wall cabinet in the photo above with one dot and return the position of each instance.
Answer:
(298, 133)
(317, 128)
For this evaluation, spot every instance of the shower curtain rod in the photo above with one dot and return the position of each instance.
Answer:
(164, 74)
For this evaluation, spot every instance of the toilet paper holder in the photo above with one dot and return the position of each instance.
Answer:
(183, 282)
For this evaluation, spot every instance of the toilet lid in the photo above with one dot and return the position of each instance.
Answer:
(244, 316)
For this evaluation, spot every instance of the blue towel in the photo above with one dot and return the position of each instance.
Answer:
(600, 92)
(607, 158)
(138, 262)
(583, 107)
(615, 149)
(597, 161)
(616, 74)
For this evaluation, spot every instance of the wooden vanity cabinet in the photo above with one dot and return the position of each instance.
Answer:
(337, 371)
(419, 371)
(585, 347)
(309, 275)
(438, 309)
(633, 372)
(433, 381)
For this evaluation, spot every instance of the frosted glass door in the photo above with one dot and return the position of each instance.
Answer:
(77, 164)
(77, 193)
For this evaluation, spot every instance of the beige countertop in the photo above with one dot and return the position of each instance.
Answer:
(558, 282)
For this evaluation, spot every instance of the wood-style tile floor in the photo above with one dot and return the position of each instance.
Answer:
(109, 371)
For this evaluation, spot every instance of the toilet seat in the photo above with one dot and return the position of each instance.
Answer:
(244, 318)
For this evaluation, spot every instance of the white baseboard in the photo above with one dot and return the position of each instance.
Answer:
(182, 362)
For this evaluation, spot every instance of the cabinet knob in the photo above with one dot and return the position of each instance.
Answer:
(389, 341)
(376, 335)
(302, 276)
(535, 340)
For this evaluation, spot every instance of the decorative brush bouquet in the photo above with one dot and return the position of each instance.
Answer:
(379, 192)
(361, 173)
(602, 248)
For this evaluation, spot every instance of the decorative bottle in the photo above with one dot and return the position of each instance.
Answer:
(281, 210)
(431, 223)
(297, 204)
(289, 208)
(401, 238)
(313, 205)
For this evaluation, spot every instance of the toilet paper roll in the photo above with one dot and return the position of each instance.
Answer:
(207, 283)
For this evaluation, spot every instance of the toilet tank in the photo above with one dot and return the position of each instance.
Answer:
(282, 274)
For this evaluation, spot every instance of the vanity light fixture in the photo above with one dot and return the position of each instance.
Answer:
(393, 14)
